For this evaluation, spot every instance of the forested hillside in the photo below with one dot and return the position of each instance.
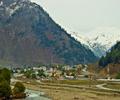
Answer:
(111, 57)
(28, 35)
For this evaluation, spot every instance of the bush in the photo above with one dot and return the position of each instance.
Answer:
(18, 88)
(41, 73)
(28, 73)
(118, 76)
(5, 89)
(6, 74)
(33, 76)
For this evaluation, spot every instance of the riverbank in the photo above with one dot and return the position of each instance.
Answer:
(35, 95)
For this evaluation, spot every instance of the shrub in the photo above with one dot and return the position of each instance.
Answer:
(5, 89)
(118, 76)
(6, 74)
(18, 88)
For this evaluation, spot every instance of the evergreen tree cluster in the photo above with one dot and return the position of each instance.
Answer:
(111, 57)
(5, 89)
(6, 93)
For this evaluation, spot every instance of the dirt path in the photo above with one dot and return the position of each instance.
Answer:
(102, 86)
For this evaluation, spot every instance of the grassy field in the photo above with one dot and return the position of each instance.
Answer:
(113, 86)
(68, 93)
(74, 82)
(71, 90)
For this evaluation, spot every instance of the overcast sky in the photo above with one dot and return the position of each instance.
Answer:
(83, 15)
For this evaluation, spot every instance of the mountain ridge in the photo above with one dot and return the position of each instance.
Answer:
(99, 43)
(28, 35)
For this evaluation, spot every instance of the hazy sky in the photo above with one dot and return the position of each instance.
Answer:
(83, 15)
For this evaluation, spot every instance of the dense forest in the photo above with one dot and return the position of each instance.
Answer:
(111, 57)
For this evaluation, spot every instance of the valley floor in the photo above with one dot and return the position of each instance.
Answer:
(57, 91)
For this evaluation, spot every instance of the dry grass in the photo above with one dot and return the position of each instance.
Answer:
(74, 82)
(68, 93)
(113, 86)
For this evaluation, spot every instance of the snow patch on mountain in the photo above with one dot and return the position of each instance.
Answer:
(99, 40)
(11, 10)
(1, 3)
(82, 39)
(11, 6)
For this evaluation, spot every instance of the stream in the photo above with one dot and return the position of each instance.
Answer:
(35, 95)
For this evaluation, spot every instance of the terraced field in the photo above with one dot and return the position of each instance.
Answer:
(72, 90)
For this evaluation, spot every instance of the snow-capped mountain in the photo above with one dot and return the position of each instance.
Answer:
(81, 38)
(99, 43)
(29, 36)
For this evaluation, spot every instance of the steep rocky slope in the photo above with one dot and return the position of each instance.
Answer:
(28, 35)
